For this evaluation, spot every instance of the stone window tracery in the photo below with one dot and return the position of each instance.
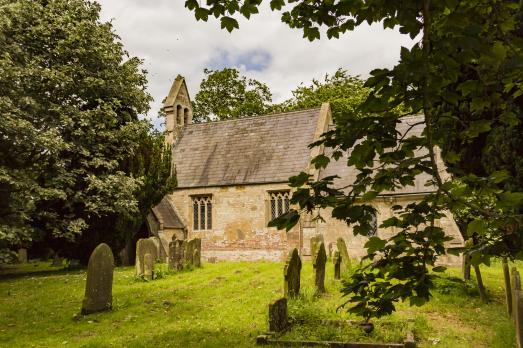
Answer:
(279, 201)
(202, 212)
(373, 225)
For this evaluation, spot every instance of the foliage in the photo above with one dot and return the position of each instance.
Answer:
(70, 98)
(238, 294)
(464, 74)
(344, 92)
(225, 94)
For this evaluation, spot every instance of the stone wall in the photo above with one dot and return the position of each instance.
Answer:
(241, 213)
(239, 228)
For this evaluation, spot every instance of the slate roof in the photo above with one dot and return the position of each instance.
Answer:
(166, 214)
(348, 174)
(262, 149)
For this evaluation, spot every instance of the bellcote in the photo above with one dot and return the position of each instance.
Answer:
(177, 108)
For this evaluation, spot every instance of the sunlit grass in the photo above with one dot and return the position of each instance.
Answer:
(225, 305)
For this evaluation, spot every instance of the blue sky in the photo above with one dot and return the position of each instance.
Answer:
(170, 41)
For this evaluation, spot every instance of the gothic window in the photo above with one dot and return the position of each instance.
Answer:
(279, 203)
(185, 116)
(373, 225)
(202, 212)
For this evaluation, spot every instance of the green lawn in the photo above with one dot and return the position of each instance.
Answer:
(225, 305)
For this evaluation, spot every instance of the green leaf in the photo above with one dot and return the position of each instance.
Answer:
(374, 244)
(201, 14)
(476, 226)
(276, 5)
(320, 161)
(299, 180)
(229, 23)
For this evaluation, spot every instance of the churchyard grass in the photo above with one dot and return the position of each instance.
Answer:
(225, 305)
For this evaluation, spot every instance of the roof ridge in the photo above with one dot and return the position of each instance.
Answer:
(256, 116)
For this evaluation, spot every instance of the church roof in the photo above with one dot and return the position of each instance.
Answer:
(348, 174)
(260, 149)
(165, 214)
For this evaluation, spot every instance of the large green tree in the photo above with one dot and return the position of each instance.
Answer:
(465, 75)
(70, 97)
(225, 94)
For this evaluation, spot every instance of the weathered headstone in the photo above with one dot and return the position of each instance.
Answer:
(22, 255)
(315, 242)
(57, 261)
(344, 255)
(99, 286)
(320, 259)
(278, 315)
(196, 259)
(158, 245)
(190, 247)
(144, 246)
(148, 266)
(336, 260)
(179, 255)
(291, 274)
(212, 259)
(171, 260)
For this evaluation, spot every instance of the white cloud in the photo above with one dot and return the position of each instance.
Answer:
(170, 41)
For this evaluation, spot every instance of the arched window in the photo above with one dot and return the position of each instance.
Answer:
(179, 116)
(373, 225)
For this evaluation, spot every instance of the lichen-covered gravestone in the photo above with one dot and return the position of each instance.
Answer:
(291, 274)
(278, 315)
(344, 255)
(157, 244)
(336, 260)
(196, 259)
(315, 242)
(179, 255)
(320, 259)
(22, 255)
(144, 246)
(172, 256)
(190, 247)
(148, 266)
(99, 286)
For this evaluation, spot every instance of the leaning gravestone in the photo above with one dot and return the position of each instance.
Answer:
(291, 273)
(144, 246)
(190, 247)
(196, 258)
(22, 255)
(278, 315)
(344, 255)
(336, 260)
(99, 286)
(148, 266)
(320, 259)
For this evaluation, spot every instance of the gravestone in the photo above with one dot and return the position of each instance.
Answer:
(171, 260)
(22, 255)
(179, 255)
(158, 245)
(320, 259)
(344, 255)
(190, 247)
(99, 286)
(315, 242)
(212, 259)
(278, 315)
(148, 266)
(144, 246)
(196, 259)
(57, 261)
(336, 260)
(291, 273)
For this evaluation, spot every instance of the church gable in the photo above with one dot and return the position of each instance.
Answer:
(251, 150)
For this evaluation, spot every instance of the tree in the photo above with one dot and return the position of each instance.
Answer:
(344, 92)
(224, 94)
(465, 76)
(70, 98)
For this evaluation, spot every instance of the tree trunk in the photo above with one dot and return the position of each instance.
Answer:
(466, 267)
(481, 288)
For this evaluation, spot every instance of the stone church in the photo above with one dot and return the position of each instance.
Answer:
(232, 180)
